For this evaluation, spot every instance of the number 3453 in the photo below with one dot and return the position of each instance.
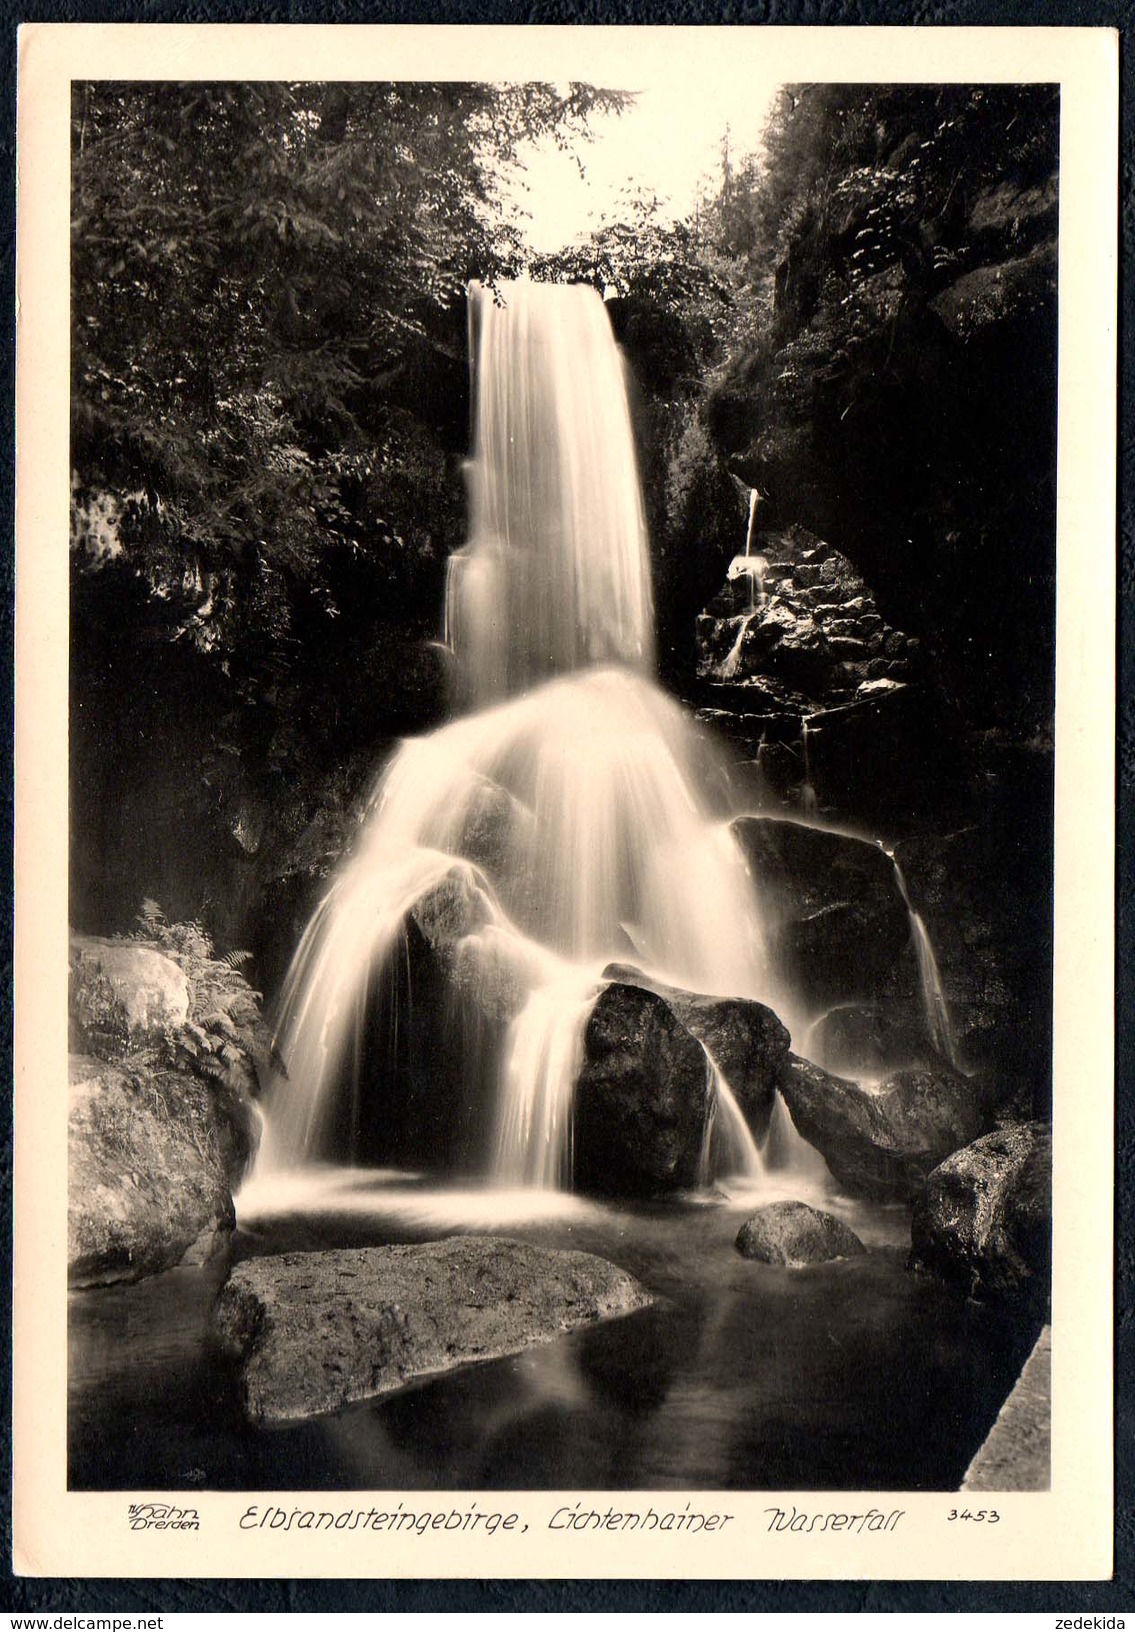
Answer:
(983, 1515)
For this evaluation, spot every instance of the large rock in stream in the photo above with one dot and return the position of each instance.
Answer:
(645, 1090)
(642, 1098)
(313, 1331)
(984, 1219)
(883, 1141)
(746, 1039)
(151, 1165)
(792, 1234)
(839, 927)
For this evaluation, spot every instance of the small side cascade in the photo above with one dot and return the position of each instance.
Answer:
(809, 801)
(934, 1003)
(787, 1153)
(731, 663)
(543, 1056)
(757, 563)
(728, 1147)
(750, 566)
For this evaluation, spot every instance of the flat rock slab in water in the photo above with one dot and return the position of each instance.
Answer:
(316, 1330)
(794, 1234)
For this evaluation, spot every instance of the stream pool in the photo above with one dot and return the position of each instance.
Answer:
(857, 1374)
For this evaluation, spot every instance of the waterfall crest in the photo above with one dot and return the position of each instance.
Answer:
(555, 575)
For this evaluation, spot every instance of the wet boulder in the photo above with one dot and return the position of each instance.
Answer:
(871, 1039)
(150, 1171)
(745, 1038)
(642, 1097)
(984, 1218)
(481, 959)
(883, 1141)
(838, 925)
(313, 1331)
(447, 993)
(793, 1234)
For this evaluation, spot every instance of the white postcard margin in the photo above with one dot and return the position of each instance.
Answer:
(1065, 1533)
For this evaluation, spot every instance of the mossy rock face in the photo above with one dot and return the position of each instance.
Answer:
(149, 1172)
(984, 1220)
(165, 1041)
(124, 995)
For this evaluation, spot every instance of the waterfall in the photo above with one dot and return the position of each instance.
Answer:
(555, 575)
(563, 816)
(752, 568)
(808, 798)
(756, 563)
(731, 662)
(934, 1005)
(728, 1147)
(788, 1154)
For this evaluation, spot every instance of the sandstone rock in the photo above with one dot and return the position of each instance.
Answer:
(984, 1219)
(642, 1097)
(841, 930)
(313, 1331)
(123, 995)
(1009, 208)
(988, 295)
(793, 1234)
(882, 1142)
(866, 1039)
(149, 1171)
(746, 1039)
(1017, 1452)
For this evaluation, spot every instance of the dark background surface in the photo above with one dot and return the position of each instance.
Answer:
(383, 1596)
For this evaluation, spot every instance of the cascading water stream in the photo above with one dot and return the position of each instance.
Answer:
(934, 1005)
(565, 813)
(808, 797)
(728, 1146)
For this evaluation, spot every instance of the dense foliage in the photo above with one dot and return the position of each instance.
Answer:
(900, 395)
(268, 333)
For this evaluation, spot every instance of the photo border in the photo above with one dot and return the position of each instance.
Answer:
(1085, 711)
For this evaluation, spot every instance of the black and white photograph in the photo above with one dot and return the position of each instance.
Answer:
(561, 640)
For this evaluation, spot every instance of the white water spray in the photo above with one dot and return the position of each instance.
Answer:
(810, 803)
(728, 1146)
(582, 774)
(934, 1005)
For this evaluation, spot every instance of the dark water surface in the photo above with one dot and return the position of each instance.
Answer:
(853, 1375)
